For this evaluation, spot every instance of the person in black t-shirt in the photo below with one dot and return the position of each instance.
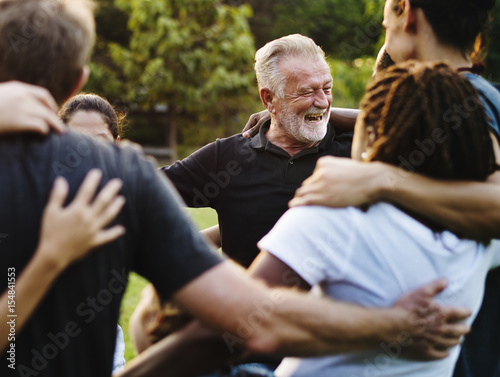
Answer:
(250, 181)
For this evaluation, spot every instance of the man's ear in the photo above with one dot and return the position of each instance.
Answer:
(267, 99)
(82, 80)
(410, 20)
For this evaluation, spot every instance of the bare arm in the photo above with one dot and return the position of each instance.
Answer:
(67, 235)
(213, 235)
(286, 322)
(292, 324)
(343, 120)
(472, 208)
(27, 107)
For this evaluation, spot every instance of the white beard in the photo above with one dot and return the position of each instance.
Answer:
(302, 130)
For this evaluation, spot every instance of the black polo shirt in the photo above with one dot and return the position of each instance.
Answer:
(249, 182)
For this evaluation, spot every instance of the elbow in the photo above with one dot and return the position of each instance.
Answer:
(263, 342)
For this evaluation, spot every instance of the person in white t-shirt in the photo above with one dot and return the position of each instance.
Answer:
(372, 256)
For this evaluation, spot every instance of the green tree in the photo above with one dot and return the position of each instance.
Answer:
(193, 57)
(493, 57)
(111, 26)
(344, 29)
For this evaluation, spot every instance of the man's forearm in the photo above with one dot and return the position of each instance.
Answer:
(340, 328)
(343, 120)
(308, 326)
(283, 321)
(472, 208)
(247, 315)
(192, 351)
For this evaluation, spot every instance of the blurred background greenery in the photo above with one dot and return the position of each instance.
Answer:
(183, 69)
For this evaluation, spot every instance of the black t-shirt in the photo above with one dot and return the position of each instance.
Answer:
(73, 331)
(249, 182)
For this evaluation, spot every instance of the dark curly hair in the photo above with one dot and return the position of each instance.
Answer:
(92, 102)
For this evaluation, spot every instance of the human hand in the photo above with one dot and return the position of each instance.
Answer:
(255, 122)
(27, 107)
(341, 182)
(69, 233)
(434, 329)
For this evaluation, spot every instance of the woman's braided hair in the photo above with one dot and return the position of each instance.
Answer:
(429, 119)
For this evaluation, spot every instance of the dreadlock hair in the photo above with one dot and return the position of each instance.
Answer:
(429, 119)
(417, 112)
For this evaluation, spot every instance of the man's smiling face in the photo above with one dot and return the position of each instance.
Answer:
(305, 109)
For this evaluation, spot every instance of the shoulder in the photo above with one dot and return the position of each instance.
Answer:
(315, 222)
(489, 93)
(223, 145)
(490, 97)
(235, 144)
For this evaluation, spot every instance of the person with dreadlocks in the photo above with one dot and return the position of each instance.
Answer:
(371, 256)
(432, 30)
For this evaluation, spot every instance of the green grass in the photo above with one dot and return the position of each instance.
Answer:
(203, 218)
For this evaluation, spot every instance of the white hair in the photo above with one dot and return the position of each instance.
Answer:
(268, 58)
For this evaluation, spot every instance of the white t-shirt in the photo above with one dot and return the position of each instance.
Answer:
(372, 258)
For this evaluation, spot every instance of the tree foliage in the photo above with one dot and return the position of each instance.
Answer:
(193, 57)
(493, 57)
(344, 29)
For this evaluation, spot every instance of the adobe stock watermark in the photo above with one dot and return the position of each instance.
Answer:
(221, 179)
(361, 39)
(248, 325)
(389, 352)
(310, 265)
(85, 313)
(31, 28)
(427, 147)
(73, 158)
(11, 317)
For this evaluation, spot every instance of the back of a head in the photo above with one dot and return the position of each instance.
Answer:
(429, 119)
(268, 58)
(457, 23)
(46, 42)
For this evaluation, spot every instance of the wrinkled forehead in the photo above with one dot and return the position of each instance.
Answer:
(306, 70)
